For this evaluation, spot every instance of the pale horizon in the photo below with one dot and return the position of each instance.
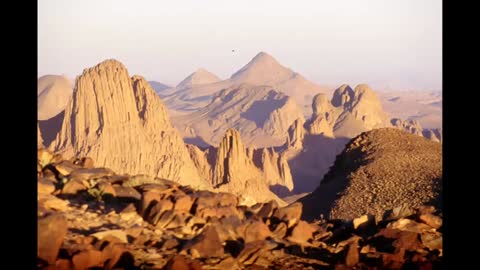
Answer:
(396, 45)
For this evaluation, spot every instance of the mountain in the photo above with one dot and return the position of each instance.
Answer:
(159, 87)
(199, 77)
(122, 123)
(262, 70)
(261, 114)
(379, 170)
(231, 169)
(53, 93)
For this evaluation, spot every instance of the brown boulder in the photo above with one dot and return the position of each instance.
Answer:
(431, 220)
(267, 209)
(404, 224)
(86, 174)
(290, 214)
(65, 167)
(51, 231)
(148, 197)
(302, 232)
(183, 203)
(280, 230)
(128, 193)
(179, 262)
(353, 257)
(432, 240)
(221, 211)
(73, 186)
(45, 186)
(87, 258)
(256, 230)
(205, 245)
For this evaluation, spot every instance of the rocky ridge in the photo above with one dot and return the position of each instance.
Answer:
(91, 217)
(379, 170)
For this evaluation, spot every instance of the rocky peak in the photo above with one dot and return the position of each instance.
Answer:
(200, 76)
(262, 69)
(121, 123)
(296, 133)
(342, 95)
(231, 155)
(321, 104)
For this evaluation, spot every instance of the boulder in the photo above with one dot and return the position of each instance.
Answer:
(51, 231)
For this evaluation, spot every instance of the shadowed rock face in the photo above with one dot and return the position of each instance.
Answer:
(121, 123)
(379, 170)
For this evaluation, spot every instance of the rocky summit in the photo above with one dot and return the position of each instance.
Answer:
(379, 170)
(92, 217)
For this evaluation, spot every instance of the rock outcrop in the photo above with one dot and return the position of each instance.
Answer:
(379, 170)
(231, 169)
(410, 126)
(362, 111)
(122, 124)
(323, 117)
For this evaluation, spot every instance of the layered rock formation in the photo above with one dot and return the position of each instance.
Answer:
(260, 113)
(231, 169)
(121, 123)
(53, 94)
(379, 170)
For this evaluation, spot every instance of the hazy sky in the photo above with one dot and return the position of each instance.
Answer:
(394, 43)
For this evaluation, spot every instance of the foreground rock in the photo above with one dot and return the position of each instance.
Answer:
(169, 226)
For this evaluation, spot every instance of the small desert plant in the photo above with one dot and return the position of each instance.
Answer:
(96, 193)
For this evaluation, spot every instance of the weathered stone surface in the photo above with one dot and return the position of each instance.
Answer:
(290, 214)
(353, 257)
(432, 240)
(409, 225)
(183, 203)
(302, 232)
(222, 211)
(207, 244)
(86, 259)
(431, 220)
(255, 231)
(132, 126)
(359, 221)
(73, 186)
(45, 186)
(65, 167)
(127, 193)
(280, 230)
(121, 235)
(267, 209)
(51, 231)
